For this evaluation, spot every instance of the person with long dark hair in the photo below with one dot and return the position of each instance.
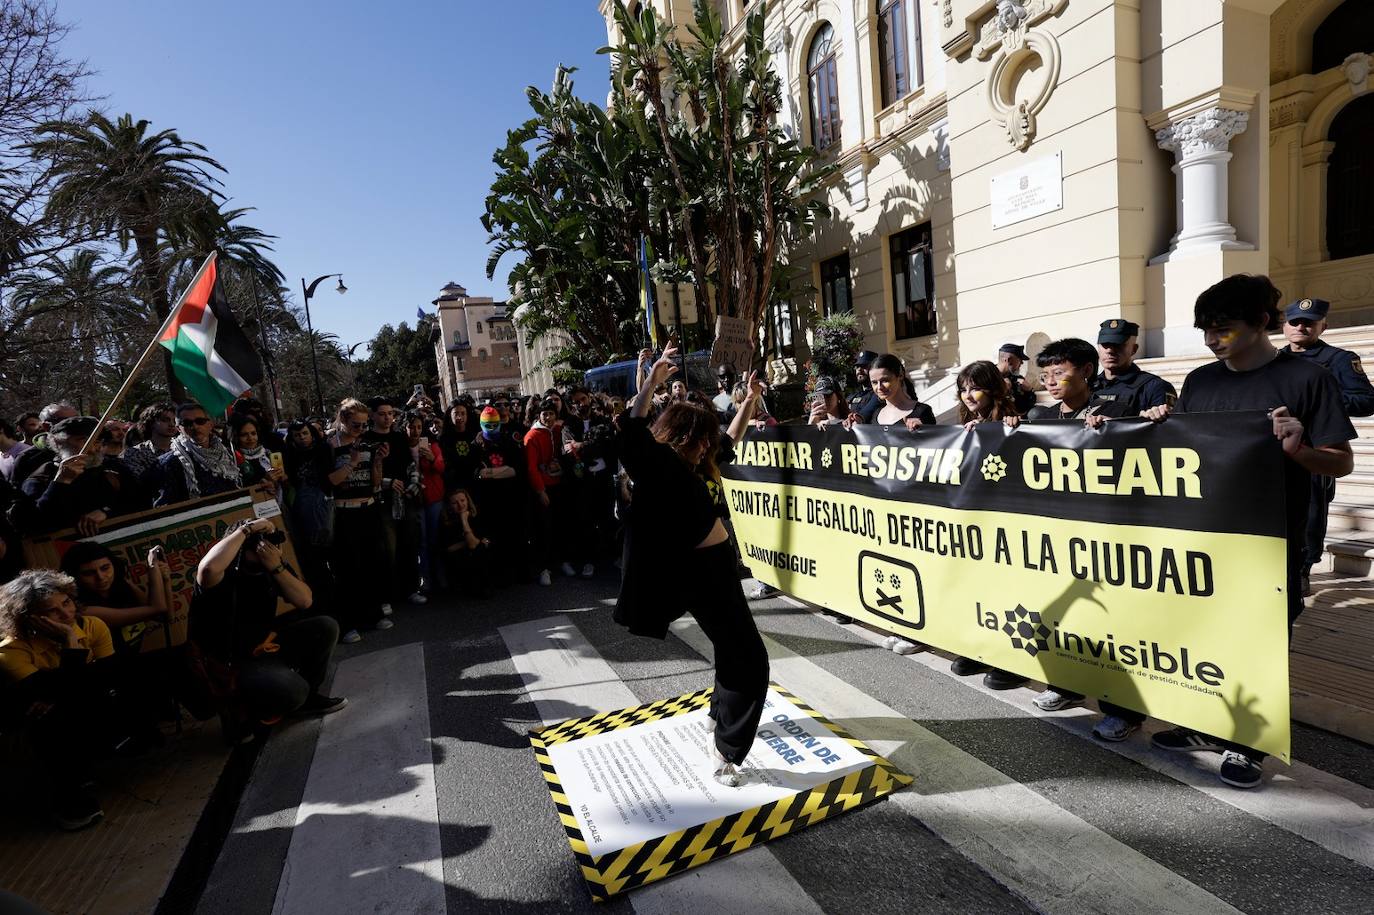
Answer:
(673, 521)
(899, 405)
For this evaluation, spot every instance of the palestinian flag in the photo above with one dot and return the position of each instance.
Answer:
(211, 355)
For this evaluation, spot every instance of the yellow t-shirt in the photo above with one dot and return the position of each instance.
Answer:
(21, 658)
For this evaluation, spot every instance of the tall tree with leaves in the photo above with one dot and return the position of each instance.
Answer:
(116, 177)
(573, 209)
(740, 192)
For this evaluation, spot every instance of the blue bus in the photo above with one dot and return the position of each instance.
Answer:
(618, 378)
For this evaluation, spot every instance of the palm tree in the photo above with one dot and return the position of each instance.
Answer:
(117, 178)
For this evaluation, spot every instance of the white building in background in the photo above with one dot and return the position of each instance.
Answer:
(536, 375)
(475, 346)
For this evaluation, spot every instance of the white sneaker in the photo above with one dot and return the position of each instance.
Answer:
(902, 646)
(762, 592)
(725, 772)
(545, 578)
(418, 598)
(386, 609)
(567, 569)
(588, 570)
(384, 623)
(351, 636)
(1052, 700)
(890, 642)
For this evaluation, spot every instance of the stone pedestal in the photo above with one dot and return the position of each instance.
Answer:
(1200, 144)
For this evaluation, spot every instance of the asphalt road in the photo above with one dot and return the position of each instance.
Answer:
(424, 794)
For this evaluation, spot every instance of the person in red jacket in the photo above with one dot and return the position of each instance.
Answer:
(429, 457)
(543, 447)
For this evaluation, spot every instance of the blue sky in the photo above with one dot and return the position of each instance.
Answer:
(361, 131)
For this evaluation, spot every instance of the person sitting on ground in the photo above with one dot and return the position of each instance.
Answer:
(894, 389)
(463, 549)
(106, 592)
(63, 690)
(198, 463)
(158, 425)
(77, 490)
(281, 661)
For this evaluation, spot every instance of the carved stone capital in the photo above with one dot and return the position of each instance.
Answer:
(1205, 132)
(1007, 28)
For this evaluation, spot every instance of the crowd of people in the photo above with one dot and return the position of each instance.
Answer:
(392, 501)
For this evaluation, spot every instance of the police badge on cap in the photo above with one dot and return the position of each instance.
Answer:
(1117, 330)
(1307, 310)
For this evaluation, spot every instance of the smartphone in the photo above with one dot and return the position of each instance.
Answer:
(420, 389)
(424, 441)
(158, 554)
(274, 458)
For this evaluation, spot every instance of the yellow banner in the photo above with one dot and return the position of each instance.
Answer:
(1181, 622)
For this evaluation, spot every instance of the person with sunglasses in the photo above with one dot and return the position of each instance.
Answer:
(1304, 324)
(356, 480)
(198, 464)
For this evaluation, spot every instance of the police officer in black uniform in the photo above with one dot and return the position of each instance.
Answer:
(1304, 324)
(1121, 381)
(1010, 358)
(862, 400)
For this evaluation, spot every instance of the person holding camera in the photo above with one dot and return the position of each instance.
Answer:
(355, 481)
(279, 662)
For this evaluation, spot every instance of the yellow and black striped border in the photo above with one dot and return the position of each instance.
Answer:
(678, 851)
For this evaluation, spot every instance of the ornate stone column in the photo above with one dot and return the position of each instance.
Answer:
(1200, 143)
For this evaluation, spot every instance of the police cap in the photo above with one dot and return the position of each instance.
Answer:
(1117, 330)
(1307, 310)
(1015, 349)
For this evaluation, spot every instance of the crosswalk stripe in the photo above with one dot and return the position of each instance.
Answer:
(1056, 861)
(1330, 811)
(563, 673)
(346, 854)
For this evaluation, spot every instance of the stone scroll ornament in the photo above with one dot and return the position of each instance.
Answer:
(1010, 41)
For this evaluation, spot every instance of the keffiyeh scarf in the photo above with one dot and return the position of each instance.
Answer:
(216, 459)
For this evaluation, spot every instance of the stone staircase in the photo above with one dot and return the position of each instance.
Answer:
(1331, 665)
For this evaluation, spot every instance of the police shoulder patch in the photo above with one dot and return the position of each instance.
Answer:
(1170, 399)
(1355, 365)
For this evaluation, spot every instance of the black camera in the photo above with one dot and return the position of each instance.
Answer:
(274, 536)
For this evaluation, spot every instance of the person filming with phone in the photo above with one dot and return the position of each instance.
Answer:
(279, 662)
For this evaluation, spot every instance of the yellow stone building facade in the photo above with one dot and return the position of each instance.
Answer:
(1020, 170)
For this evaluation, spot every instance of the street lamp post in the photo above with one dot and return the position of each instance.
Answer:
(309, 329)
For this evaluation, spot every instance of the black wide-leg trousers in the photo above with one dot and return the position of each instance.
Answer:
(716, 599)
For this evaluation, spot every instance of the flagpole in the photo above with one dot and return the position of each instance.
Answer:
(147, 352)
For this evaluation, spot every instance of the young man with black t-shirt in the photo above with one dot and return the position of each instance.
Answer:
(1236, 317)
(399, 524)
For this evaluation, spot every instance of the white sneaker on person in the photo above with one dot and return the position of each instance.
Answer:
(889, 642)
(350, 637)
(762, 591)
(588, 570)
(418, 598)
(386, 609)
(567, 569)
(902, 646)
(1115, 729)
(1052, 700)
(725, 772)
(545, 578)
(384, 623)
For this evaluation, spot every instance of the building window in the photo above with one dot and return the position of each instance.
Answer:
(913, 285)
(481, 355)
(894, 58)
(1344, 32)
(458, 364)
(825, 90)
(1350, 181)
(836, 292)
(784, 330)
(457, 338)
